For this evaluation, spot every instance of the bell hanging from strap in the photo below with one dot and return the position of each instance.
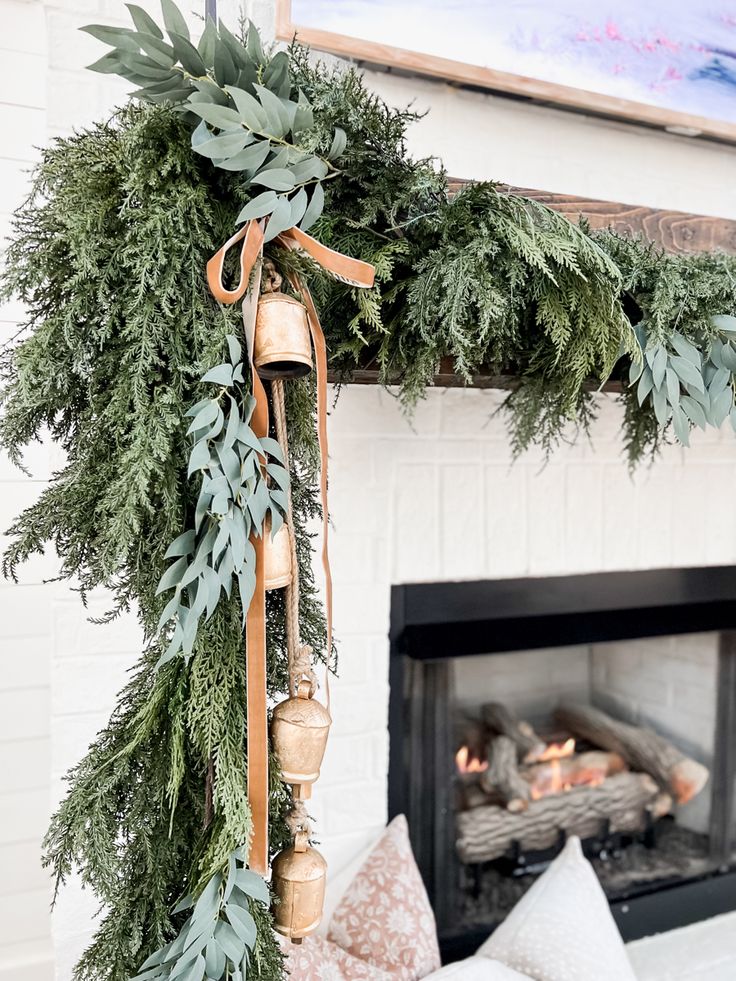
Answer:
(282, 345)
(299, 875)
(299, 731)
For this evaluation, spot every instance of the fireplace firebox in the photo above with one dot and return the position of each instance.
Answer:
(523, 711)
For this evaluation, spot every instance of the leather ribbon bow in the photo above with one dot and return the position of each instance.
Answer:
(356, 273)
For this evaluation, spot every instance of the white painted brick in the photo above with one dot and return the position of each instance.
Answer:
(24, 130)
(23, 79)
(25, 763)
(352, 806)
(416, 524)
(25, 916)
(87, 684)
(25, 611)
(22, 870)
(27, 962)
(22, 27)
(505, 520)
(462, 522)
(24, 714)
(27, 661)
(583, 518)
(75, 635)
(348, 759)
(24, 815)
(546, 520)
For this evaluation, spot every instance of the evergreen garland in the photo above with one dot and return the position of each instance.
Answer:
(108, 256)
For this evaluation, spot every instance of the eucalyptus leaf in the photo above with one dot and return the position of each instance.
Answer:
(253, 885)
(248, 159)
(725, 323)
(280, 219)
(221, 374)
(229, 942)
(143, 21)
(339, 142)
(205, 417)
(242, 922)
(688, 372)
(183, 545)
(251, 112)
(277, 179)
(224, 146)
(225, 67)
(259, 207)
(172, 575)
(173, 19)
(220, 116)
(314, 208)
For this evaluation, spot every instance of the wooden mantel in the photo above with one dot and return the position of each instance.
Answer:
(674, 231)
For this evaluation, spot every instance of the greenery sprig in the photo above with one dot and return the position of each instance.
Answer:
(250, 119)
(219, 935)
(234, 501)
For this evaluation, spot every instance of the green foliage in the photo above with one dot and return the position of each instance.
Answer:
(234, 502)
(108, 257)
(250, 120)
(220, 934)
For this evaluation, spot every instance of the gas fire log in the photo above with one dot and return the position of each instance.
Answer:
(501, 720)
(624, 801)
(502, 778)
(643, 749)
(570, 771)
(473, 734)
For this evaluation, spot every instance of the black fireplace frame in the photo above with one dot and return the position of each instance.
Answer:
(432, 623)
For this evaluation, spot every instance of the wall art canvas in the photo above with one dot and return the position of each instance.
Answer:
(667, 63)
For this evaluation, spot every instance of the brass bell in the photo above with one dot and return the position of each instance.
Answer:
(276, 556)
(282, 346)
(299, 875)
(299, 730)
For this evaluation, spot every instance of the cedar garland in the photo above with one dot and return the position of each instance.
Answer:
(108, 256)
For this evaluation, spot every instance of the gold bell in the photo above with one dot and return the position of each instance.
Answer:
(299, 730)
(282, 347)
(276, 556)
(298, 879)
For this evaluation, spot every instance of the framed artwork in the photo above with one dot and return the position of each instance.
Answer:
(665, 63)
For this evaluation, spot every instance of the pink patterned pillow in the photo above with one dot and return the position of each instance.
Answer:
(319, 960)
(385, 918)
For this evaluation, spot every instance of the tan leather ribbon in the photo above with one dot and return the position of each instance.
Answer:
(356, 273)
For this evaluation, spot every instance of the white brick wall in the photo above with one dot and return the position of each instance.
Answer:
(402, 497)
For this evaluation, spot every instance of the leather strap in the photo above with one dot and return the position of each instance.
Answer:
(255, 630)
(356, 273)
(250, 251)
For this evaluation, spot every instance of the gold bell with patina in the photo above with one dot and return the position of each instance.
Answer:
(282, 346)
(298, 879)
(299, 730)
(276, 556)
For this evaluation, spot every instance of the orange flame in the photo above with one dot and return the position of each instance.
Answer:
(466, 764)
(557, 751)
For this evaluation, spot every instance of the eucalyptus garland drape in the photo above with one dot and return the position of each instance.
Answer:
(108, 256)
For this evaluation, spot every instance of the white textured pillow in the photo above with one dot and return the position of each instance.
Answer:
(562, 929)
(477, 969)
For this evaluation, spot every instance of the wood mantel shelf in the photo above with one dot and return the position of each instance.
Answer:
(673, 231)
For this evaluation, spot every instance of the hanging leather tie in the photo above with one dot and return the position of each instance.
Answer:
(356, 273)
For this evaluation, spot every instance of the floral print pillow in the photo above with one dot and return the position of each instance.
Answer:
(317, 959)
(385, 918)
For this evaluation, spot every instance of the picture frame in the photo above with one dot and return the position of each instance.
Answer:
(303, 19)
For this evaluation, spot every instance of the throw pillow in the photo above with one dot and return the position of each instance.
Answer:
(562, 929)
(477, 969)
(385, 918)
(316, 959)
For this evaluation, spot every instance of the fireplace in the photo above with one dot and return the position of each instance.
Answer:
(523, 711)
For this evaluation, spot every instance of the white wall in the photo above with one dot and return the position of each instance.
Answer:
(402, 497)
